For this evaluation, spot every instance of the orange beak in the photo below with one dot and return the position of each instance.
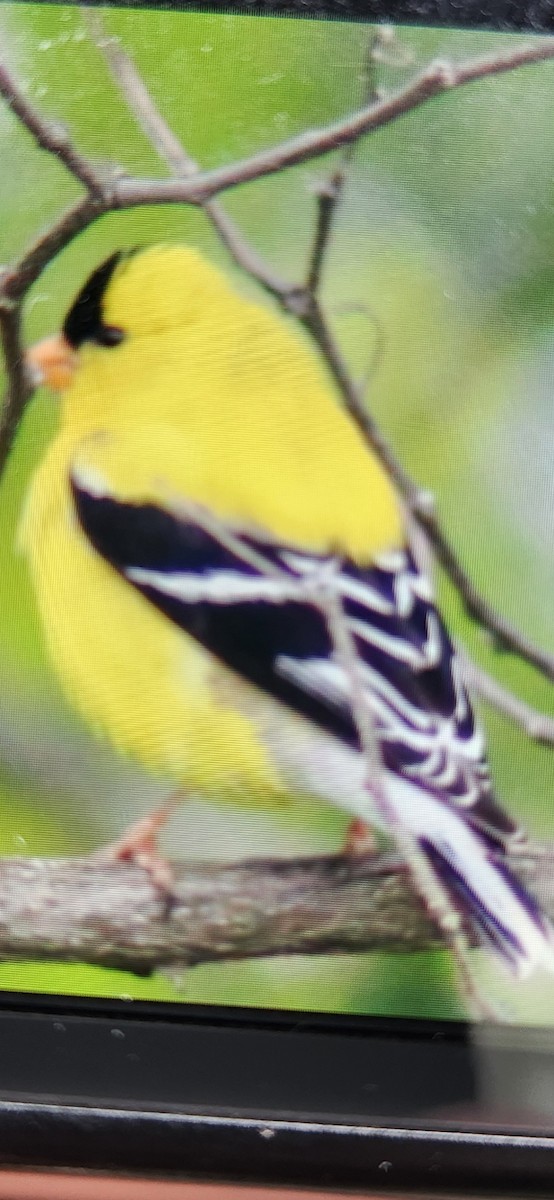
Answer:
(52, 362)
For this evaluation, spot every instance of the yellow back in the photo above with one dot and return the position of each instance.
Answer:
(220, 401)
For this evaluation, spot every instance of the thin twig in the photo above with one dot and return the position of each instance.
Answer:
(172, 152)
(196, 189)
(439, 77)
(330, 191)
(421, 504)
(19, 386)
(14, 284)
(538, 726)
(138, 97)
(49, 136)
(16, 280)
(328, 194)
(506, 635)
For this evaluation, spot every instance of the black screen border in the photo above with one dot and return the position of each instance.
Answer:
(262, 1099)
(533, 16)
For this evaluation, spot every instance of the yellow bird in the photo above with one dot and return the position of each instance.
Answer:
(204, 492)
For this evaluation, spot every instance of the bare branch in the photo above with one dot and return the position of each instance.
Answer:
(16, 280)
(48, 135)
(328, 195)
(111, 915)
(19, 387)
(14, 283)
(437, 78)
(537, 725)
(173, 153)
(421, 504)
(506, 635)
(330, 191)
(197, 188)
(136, 93)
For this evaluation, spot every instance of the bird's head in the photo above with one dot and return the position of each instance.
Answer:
(132, 295)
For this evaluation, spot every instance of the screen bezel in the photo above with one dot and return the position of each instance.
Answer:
(223, 1094)
(66, 1102)
(535, 16)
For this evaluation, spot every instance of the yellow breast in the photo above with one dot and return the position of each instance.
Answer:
(133, 675)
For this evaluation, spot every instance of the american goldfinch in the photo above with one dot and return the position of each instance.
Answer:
(204, 484)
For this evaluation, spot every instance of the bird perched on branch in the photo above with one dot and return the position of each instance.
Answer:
(226, 587)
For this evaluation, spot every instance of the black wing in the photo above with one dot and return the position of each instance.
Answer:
(215, 589)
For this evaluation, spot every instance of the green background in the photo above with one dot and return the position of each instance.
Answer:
(446, 238)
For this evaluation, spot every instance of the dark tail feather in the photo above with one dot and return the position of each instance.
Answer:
(501, 910)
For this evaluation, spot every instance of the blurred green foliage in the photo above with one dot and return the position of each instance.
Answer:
(446, 239)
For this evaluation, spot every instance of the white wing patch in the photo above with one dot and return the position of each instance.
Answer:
(418, 658)
(445, 751)
(213, 587)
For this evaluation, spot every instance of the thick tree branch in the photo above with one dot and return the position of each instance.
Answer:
(111, 915)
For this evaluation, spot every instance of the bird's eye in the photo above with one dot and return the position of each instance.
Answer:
(109, 335)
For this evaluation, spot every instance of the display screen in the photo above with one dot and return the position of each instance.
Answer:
(276, 532)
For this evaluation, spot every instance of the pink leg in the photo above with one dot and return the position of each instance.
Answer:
(360, 839)
(139, 845)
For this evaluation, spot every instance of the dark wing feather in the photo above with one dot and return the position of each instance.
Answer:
(281, 645)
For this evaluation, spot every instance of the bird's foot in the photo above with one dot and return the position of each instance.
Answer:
(360, 839)
(139, 845)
